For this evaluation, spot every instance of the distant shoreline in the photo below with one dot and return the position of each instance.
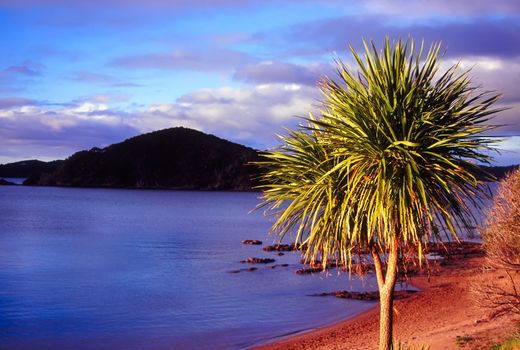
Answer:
(442, 310)
(18, 181)
(140, 188)
(169, 159)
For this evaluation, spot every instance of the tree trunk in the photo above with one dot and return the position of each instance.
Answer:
(386, 300)
(386, 284)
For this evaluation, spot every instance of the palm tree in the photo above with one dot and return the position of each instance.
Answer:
(388, 164)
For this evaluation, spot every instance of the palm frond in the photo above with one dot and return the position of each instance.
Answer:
(392, 154)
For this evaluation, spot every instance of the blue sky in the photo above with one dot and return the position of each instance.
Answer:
(78, 74)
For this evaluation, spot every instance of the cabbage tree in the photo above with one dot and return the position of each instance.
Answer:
(389, 163)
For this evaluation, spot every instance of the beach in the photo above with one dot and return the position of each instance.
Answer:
(443, 315)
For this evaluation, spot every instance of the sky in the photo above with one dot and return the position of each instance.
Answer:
(81, 74)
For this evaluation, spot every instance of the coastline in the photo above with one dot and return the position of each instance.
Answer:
(443, 315)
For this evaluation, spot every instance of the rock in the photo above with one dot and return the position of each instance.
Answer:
(306, 271)
(369, 296)
(285, 247)
(456, 250)
(343, 294)
(281, 254)
(241, 270)
(280, 247)
(252, 241)
(317, 264)
(357, 295)
(258, 261)
(279, 265)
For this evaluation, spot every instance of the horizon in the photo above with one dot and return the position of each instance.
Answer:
(79, 75)
(508, 157)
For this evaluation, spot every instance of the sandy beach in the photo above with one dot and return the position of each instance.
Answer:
(443, 315)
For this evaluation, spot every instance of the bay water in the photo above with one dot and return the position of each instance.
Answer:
(147, 269)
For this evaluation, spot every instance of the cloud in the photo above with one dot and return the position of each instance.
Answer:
(14, 78)
(491, 73)
(6, 103)
(483, 36)
(449, 8)
(497, 75)
(510, 151)
(37, 130)
(100, 79)
(27, 68)
(22, 70)
(279, 72)
(500, 75)
(250, 116)
(247, 115)
(201, 59)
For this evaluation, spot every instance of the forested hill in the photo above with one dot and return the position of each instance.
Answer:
(25, 168)
(176, 158)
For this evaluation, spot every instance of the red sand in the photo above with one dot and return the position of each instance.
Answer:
(444, 310)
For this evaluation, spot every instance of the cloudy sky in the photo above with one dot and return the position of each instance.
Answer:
(79, 74)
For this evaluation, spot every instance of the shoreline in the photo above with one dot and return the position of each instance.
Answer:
(443, 315)
(278, 342)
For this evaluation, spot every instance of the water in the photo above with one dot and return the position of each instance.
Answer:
(15, 180)
(136, 269)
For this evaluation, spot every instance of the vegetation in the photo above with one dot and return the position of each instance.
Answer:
(510, 344)
(463, 340)
(388, 164)
(502, 244)
(177, 158)
(26, 168)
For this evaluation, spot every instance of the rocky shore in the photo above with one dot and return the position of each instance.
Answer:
(442, 313)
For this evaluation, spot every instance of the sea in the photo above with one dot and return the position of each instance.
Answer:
(151, 269)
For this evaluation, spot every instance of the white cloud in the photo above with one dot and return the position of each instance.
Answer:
(248, 115)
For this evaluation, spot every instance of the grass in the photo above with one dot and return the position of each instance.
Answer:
(411, 347)
(463, 340)
(513, 343)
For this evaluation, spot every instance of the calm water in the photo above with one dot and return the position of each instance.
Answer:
(133, 269)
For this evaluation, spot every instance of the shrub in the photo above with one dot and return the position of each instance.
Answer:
(502, 233)
(502, 244)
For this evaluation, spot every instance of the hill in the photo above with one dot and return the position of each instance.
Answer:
(176, 158)
(26, 168)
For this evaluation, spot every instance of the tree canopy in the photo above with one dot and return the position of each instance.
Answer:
(393, 153)
(389, 162)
